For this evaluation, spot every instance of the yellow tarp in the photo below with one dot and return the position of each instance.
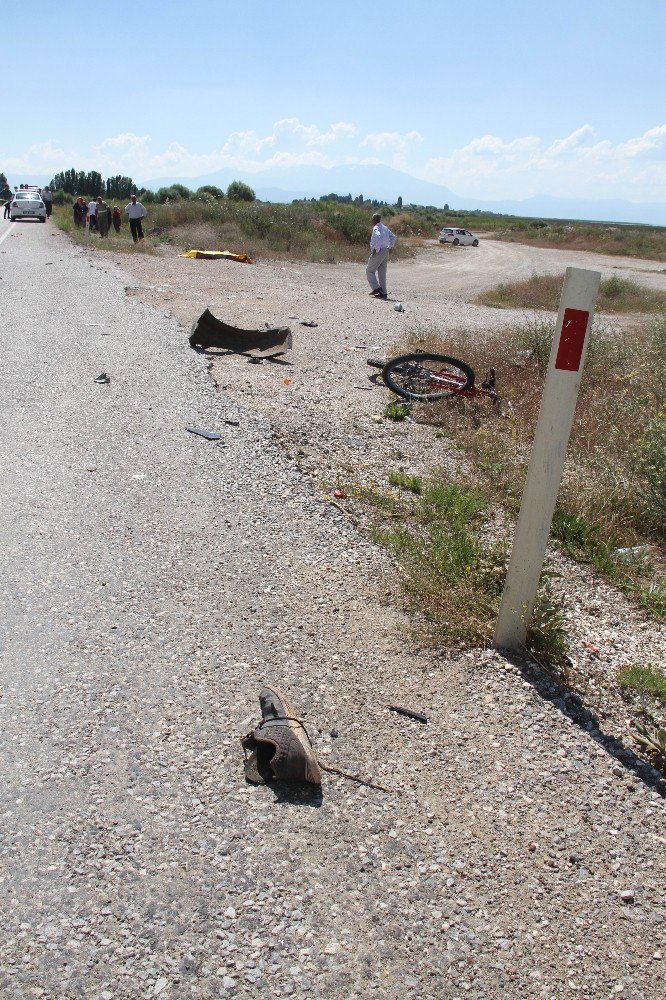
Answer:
(217, 255)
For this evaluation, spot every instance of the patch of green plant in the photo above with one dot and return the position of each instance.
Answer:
(652, 598)
(413, 484)
(546, 636)
(451, 504)
(397, 411)
(451, 574)
(652, 742)
(580, 540)
(644, 681)
(650, 462)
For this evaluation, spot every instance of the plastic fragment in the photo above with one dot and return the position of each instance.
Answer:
(409, 712)
(209, 435)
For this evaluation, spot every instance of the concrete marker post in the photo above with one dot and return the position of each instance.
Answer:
(544, 474)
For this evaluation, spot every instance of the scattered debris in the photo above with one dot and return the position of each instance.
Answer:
(340, 494)
(593, 649)
(208, 331)
(217, 255)
(410, 713)
(209, 435)
(233, 423)
(102, 379)
(354, 777)
(637, 553)
(308, 322)
(399, 308)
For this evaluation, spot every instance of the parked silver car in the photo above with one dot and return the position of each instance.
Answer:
(27, 205)
(461, 237)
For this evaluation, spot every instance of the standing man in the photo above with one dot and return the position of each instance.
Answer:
(136, 213)
(382, 242)
(102, 216)
(47, 198)
(92, 211)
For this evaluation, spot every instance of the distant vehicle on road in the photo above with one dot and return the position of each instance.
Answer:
(27, 204)
(461, 237)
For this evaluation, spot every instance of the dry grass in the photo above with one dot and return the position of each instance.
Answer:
(613, 493)
(542, 291)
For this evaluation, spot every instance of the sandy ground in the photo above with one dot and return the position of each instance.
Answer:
(465, 271)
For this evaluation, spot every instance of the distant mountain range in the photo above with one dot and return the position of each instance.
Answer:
(386, 184)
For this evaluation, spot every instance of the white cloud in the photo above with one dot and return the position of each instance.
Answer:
(577, 165)
(575, 140)
(580, 163)
(652, 141)
(40, 158)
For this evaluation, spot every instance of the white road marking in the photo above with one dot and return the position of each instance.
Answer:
(5, 235)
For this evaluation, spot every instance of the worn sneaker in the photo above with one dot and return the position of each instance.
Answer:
(279, 749)
(382, 295)
(376, 291)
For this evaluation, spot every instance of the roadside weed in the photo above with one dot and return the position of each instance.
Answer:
(542, 291)
(414, 484)
(644, 681)
(397, 411)
(451, 573)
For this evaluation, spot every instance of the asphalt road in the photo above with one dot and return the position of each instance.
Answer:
(151, 582)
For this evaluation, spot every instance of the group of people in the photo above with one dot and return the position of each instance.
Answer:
(99, 216)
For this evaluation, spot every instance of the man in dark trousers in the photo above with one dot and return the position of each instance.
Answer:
(136, 213)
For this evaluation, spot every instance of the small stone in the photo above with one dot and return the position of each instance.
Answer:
(627, 896)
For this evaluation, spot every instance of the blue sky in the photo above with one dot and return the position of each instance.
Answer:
(492, 98)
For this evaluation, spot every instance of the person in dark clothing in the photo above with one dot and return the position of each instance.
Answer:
(80, 210)
(117, 218)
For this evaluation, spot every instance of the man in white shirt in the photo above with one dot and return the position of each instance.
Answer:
(382, 242)
(136, 212)
(92, 211)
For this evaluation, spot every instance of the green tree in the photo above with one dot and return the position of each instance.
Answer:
(175, 192)
(237, 191)
(120, 187)
(399, 201)
(214, 192)
(5, 190)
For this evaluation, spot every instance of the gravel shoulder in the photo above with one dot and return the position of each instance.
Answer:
(156, 580)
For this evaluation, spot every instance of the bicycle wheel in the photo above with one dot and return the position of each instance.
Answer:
(426, 377)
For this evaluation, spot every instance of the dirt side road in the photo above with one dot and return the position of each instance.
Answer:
(466, 271)
(152, 582)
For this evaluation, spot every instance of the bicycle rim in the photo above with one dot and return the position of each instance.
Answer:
(424, 378)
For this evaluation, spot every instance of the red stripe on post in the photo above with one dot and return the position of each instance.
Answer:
(572, 338)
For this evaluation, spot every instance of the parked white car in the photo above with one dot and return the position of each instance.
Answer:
(27, 205)
(461, 237)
